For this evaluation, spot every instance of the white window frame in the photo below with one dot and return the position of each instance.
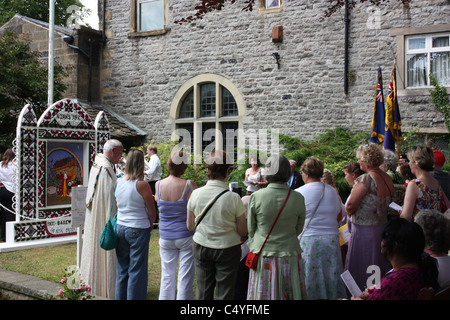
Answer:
(427, 50)
(268, 7)
(139, 2)
(263, 7)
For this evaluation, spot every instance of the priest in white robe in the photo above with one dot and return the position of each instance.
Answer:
(98, 266)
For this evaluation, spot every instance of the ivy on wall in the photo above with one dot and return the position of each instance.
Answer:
(439, 97)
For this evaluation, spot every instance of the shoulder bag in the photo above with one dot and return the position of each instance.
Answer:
(209, 207)
(108, 239)
(323, 191)
(251, 260)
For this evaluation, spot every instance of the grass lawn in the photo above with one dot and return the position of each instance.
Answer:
(50, 262)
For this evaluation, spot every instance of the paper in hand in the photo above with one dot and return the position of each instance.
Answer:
(351, 285)
(395, 206)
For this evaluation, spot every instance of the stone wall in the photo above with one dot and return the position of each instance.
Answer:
(38, 34)
(74, 61)
(305, 96)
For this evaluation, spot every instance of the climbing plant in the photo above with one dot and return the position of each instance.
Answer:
(439, 97)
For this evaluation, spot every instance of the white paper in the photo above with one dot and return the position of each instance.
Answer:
(351, 285)
(78, 205)
(233, 185)
(345, 234)
(247, 183)
(395, 206)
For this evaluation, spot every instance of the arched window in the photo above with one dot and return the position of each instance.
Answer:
(210, 110)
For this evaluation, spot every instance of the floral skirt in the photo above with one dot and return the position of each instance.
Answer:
(322, 263)
(277, 278)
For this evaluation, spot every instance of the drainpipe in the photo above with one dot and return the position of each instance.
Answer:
(103, 21)
(90, 71)
(51, 36)
(347, 21)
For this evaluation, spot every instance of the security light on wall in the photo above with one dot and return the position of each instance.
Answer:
(68, 39)
(277, 56)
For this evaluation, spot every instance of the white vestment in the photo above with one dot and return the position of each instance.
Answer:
(98, 266)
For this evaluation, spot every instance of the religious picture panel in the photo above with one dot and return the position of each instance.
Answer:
(64, 171)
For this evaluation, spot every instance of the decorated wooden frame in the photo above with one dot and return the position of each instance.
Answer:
(53, 154)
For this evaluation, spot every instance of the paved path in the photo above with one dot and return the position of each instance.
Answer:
(16, 286)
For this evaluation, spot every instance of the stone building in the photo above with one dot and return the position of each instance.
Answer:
(274, 67)
(78, 51)
(282, 67)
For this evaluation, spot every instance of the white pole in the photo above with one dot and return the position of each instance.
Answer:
(51, 28)
(79, 245)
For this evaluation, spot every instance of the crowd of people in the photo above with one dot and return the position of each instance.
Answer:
(206, 232)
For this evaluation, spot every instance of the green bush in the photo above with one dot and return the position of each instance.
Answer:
(196, 172)
(335, 147)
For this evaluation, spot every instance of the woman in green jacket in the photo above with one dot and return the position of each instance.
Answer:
(279, 274)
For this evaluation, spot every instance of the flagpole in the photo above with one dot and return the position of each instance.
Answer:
(51, 24)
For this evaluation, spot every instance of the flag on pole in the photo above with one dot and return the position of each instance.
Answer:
(378, 119)
(393, 133)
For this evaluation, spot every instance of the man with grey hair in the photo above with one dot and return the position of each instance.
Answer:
(435, 227)
(390, 166)
(98, 266)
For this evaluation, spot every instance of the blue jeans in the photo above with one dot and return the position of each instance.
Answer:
(132, 263)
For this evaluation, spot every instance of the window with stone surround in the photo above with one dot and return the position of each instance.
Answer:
(270, 6)
(206, 113)
(427, 54)
(421, 50)
(148, 17)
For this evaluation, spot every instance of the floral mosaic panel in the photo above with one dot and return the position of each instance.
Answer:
(64, 121)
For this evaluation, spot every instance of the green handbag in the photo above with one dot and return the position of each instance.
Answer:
(108, 239)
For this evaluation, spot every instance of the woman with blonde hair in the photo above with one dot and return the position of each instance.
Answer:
(175, 240)
(135, 217)
(367, 208)
(424, 192)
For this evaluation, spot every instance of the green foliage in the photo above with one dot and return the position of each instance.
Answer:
(73, 287)
(237, 173)
(196, 171)
(410, 139)
(23, 79)
(37, 9)
(335, 147)
(440, 100)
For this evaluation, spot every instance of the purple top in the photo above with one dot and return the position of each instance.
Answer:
(402, 284)
(173, 215)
